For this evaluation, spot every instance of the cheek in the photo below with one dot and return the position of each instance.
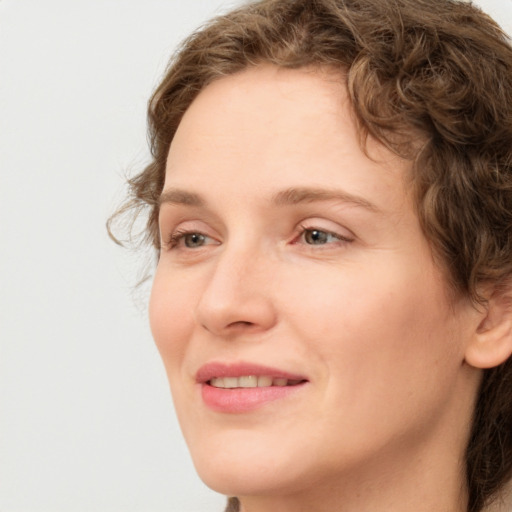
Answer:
(375, 330)
(171, 310)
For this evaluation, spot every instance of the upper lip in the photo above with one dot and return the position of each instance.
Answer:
(240, 369)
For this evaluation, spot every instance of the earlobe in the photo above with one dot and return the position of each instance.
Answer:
(491, 343)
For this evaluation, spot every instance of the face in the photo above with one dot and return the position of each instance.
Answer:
(294, 262)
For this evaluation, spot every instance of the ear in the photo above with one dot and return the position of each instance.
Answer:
(491, 343)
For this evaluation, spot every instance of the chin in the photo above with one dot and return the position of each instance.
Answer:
(245, 472)
(249, 482)
(233, 483)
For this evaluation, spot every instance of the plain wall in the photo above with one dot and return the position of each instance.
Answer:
(86, 420)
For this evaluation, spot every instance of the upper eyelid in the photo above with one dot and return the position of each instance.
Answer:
(180, 239)
(168, 226)
(318, 223)
(173, 222)
(176, 236)
(338, 238)
(176, 216)
(328, 231)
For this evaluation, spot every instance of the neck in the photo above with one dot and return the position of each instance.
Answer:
(413, 486)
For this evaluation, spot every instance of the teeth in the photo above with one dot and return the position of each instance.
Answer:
(250, 381)
(264, 382)
(230, 382)
(218, 382)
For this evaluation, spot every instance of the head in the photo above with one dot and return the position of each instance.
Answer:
(430, 84)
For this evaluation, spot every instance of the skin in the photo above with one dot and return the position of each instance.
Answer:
(382, 423)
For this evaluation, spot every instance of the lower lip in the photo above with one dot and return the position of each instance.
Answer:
(239, 400)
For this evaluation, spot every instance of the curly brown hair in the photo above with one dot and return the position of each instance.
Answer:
(441, 69)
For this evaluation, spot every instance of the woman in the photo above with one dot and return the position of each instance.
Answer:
(330, 197)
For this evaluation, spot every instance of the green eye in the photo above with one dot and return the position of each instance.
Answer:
(189, 240)
(193, 240)
(318, 237)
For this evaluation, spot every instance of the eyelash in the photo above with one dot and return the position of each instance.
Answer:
(304, 230)
(179, 235)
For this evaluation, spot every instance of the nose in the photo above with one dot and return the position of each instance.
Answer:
(237, 298)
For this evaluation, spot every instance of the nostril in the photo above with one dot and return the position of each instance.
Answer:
(223, 312)
(241, 324)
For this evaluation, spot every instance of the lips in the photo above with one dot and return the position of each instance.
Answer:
(242, 387)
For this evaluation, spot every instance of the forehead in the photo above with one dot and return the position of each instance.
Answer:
(262, 103)
(267, 127)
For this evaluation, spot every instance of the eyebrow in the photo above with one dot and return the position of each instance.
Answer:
(289, 196)
(310, 195)
(178, 196)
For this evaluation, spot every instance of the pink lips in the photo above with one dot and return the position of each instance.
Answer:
(238, 400)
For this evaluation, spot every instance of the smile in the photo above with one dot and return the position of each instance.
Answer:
(251, 381)
(242, 387)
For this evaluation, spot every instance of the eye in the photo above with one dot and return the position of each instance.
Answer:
(316, 236)
(189, 240)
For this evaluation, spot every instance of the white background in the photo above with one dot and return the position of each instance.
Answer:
(86, 420)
